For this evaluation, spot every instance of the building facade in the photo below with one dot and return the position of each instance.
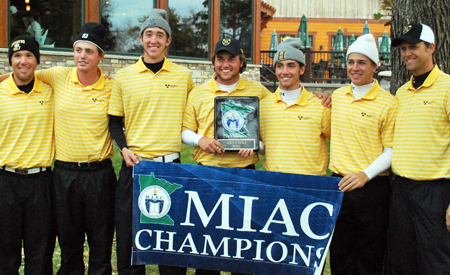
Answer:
(196, 25)
(324, 20)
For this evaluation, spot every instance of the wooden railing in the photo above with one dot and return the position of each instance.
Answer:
(324, 66)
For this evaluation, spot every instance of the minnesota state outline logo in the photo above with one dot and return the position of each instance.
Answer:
(154, 200)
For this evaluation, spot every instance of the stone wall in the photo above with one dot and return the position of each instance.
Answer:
(201, 71)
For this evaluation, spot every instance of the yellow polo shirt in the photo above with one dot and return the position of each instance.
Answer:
(26, 138)
(152, 106)
(422, 131)
(295, 135)
(360, 128)
(81, 118)
(199, 117)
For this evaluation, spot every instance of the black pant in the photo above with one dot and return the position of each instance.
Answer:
(419, 242)
(26, 215)
(84, 206)
(359, 240)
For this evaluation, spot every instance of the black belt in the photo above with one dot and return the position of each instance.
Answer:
(79, 165)
(251, 166)
(25, 171)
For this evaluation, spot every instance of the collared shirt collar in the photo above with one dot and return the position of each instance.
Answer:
(370, 95)
(13, 89)
(97, 85)
(142, 68)
(301, 101)
(430, 79)
(215, 88)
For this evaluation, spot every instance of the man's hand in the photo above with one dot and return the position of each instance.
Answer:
(447, 218)
(245, 153)
(129, 157)
(210, 145)
(353, 181)
(326, 99)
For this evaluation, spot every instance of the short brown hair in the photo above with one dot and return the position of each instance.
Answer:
(241, 58)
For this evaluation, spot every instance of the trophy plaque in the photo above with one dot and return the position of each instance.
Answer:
(236, 122)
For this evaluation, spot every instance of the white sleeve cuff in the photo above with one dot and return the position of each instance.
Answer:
(262, 148)
(190, 138)
(380, 164)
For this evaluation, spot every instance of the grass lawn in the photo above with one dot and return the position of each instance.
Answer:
(186, 157)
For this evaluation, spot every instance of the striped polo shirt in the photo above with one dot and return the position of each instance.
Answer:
(26, 138)
(199, 117)
(152, 106)
(81, 119)
(360, 128)
(422, 131)
(295, 136)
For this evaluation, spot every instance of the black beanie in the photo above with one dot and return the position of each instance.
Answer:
(24, 43)
(94, 33)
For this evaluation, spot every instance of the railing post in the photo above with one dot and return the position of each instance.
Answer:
(308, 59)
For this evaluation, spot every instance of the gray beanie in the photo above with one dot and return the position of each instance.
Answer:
(289, 49)
(157, 18)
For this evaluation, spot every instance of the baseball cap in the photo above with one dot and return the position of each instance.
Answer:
(414, 33)
(230, 45)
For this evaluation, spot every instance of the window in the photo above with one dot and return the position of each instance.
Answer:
(346, 40)
(236, 17)
(53, 23)
(189, 23)
(123, 21)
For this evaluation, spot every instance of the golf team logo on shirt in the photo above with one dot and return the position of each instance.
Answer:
(364, 114)
(304, 117)
(154, 200)
(97, 99)
(170, 86)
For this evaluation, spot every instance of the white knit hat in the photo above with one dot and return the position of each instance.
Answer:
(365, 45)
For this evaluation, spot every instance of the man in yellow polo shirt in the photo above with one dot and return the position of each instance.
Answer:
(362, 136)
(198, 120)
(26, 154)
(419, 242)
(84, 179)
(294, 123)
(148, 99)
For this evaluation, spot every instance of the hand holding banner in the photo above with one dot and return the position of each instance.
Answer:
(236, 220)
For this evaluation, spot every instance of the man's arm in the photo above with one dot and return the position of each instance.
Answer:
(358, 180)
(447, 218)
(116, 132)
